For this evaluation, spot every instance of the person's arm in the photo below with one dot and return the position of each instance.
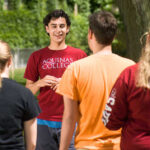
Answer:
(116, 109)
(30, 133)
(46, 81)
(69, 120)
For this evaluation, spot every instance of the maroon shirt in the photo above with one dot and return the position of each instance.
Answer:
(51, 62)
(128, 107)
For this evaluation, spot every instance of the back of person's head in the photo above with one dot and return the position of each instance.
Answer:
(5, 55)
(104, 26)
(143, 74)
(55, 15)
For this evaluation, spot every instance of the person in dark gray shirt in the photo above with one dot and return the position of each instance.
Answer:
(18, 109)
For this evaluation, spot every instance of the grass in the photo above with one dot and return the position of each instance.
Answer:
(17, 75)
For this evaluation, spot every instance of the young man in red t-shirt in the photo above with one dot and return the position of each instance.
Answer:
(43, 72)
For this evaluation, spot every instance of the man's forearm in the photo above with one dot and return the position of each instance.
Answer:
(70, 116)
(67, 131)
(33, 87)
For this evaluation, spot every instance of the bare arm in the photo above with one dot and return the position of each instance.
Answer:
(46, 81)
(30, 133)
(33, 86)
(69, 119)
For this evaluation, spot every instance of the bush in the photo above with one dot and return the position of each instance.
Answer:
(78, 33)
(22, 29)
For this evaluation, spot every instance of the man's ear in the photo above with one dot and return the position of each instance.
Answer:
(9, 62)
(68, 29)
(47, 29)
(90, 34)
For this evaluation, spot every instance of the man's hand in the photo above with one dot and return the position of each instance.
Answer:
(51, 81)
(48, 80)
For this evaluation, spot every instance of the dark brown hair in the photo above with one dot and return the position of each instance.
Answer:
(56, 14)
(104, 26)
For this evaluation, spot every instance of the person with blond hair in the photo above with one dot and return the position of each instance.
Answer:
(18, 109)
(128, 106)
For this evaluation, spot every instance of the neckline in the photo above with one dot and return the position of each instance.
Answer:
(104, 53)
(59, 50)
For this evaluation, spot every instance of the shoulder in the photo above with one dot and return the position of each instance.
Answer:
(128, 74)
(75, 50)
(16, 87)
(39, 52)
(131, 69)
(81, 63)
(123, 59)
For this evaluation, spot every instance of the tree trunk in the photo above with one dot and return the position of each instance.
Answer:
(75, 9)
(136, 18)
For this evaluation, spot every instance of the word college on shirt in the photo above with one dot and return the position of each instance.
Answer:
(55, 63)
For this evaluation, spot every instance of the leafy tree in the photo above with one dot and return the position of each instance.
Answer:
(21, 30)
(101, 4)
(83, 7)
(78, 33)
(27, 30)
(13, 4)
(1, 4)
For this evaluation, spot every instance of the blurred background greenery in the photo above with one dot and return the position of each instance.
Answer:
(22, 27)
(17, 75)
(21, 24)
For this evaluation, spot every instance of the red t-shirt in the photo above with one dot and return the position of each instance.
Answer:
(129, 107)
(51, 62)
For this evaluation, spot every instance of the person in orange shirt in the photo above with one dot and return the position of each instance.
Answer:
(86, 85)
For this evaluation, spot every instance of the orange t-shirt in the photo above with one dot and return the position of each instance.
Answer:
(89, 81)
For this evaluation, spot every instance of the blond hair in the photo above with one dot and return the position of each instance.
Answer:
(143, 74)
(5, 55)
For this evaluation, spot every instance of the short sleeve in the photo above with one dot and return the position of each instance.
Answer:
(31, 109)
(31, 71)
(68, 83)
(116, 109)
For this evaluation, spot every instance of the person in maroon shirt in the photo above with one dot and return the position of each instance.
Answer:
(43, 72)
(128, 106)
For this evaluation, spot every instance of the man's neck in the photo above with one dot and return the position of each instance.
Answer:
(103, 50)
(57, 46)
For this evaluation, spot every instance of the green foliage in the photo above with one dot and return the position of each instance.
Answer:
(13, 4)
(83, 6)
(30, 4)
(1, 4)
(22, 25)
(78, 33)
(21, 29)
(101, 4)
(25, 29)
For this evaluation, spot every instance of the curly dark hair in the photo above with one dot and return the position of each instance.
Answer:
(54, 15)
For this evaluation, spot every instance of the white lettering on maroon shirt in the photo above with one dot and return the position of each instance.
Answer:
(55, 63)
(108, 109)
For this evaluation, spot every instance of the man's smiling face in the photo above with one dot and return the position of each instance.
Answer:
(57, 29)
